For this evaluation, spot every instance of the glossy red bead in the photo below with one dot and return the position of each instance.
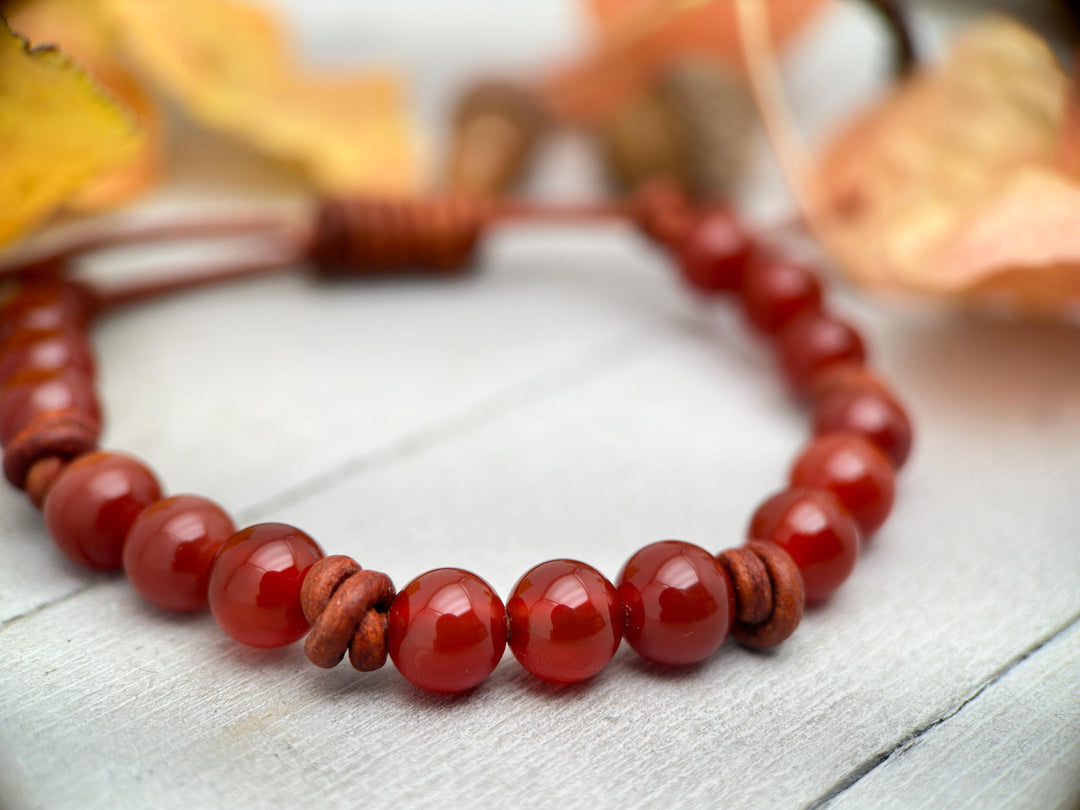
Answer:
(714, 253)
(775, 291)
(565, 621)
(170, 550)
(33, 393)
(43, 306)
(873, 415)
(254, 590)
(93, 503)
(51, 351)
(679, 602)
(813, 527)
(812, 342)
(446, 630)
(852, 469)
(845, 377)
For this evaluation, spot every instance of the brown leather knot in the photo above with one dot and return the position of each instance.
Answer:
(769, 593)
(65, 435)
(347, 608)
(358, 236)
(41, 477)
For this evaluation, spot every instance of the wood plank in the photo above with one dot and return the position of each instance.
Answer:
(682, 439)
(1024, 727)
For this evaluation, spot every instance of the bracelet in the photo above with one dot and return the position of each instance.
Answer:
(270, 584)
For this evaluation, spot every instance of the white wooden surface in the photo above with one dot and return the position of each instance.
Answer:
(569, 400)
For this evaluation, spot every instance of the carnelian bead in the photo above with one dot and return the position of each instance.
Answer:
(813, 527)
(714, 253)
(814, 341)
(845, 377)
(679, 602)
(93, 503)
(853, 470)
(774, 291)
(51, 351)
(44, 306)
(37, 392)
(565, 621)
(446, 630)
(170, 550)
(254, 590)
(873, 415)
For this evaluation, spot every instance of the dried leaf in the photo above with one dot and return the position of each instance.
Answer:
(954, 185)
(637, 39)
(58, 130)
(81, 29)
(227, 63)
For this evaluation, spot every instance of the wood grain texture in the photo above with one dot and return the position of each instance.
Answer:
(569, 401)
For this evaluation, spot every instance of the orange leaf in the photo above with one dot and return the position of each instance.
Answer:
(954, 185)
(636, 39)
(227, 63)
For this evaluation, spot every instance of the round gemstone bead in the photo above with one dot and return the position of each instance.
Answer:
(714, 253)
(853, 470)
(170, 550)
(812, 342)
(845, 377)
(43, 306)
(446, 630)
(873, 415)
(679, 602)
(51, 351)
(565, 621)
(93, 503)
(36, 392)
(813, 527)
(254, 590)
(774, 291)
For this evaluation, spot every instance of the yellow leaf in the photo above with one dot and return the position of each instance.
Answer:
(955, 186)
(58, 130)
(227, 63)
(81, 29)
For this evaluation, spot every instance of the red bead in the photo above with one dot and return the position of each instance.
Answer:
(679, 602)
(446, 630)
(814, 341)
(93, 503)
(853, 470)
(565, 621)
(845, 377)
(44, 306)
(170, 550)
(51, 351)
(775, 291)
(714, 253)
(873, 415)
(36, 392)
(254, 590)
(813, 527)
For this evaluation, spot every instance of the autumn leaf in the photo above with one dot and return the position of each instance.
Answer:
(58, 131)
(81, 30)
(228, 65)
(955, 184)
(635, 40)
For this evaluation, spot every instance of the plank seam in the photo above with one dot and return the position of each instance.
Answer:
(911, 739)
(545, 385)
(38, 608)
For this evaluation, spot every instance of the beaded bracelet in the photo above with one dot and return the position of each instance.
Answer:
(270, 584)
